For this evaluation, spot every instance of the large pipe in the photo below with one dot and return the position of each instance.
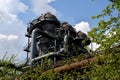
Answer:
(34, 50)
(35, 33)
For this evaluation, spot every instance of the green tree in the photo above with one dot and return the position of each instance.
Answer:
(107, 32)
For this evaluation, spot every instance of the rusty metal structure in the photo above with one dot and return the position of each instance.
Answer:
(48, 37)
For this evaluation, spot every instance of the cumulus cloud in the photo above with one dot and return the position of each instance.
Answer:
(82, 26)
(42, 6)
(12, 6)
(12, 29)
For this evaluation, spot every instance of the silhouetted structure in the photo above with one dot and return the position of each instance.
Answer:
(47, 37)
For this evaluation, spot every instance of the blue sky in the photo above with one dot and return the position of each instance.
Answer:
(15, 14)
(71, 10)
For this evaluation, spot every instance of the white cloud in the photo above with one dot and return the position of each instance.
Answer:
(12, 6)
(82, 26)
(93, 46)
(12, 29)
(8, 37)
(12, 37)
(2, 36)
(42, 6)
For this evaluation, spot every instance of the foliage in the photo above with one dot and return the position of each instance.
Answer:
(8, 68)
(107, 34)
(106, 68)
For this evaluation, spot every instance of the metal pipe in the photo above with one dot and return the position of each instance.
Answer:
(34, 50)
(44, 56)
(52, 54)
(35, 33)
